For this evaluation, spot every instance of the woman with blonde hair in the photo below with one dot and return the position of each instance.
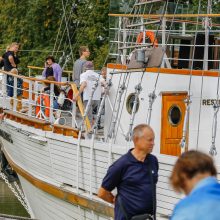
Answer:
(195, 174)
(11, 61)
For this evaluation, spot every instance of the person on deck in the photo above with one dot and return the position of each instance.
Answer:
(195, 174)
(19, 91)
(46, 89)
(52, 69)
(11, 61)
(135, 175)
(78, 65)
(87, 81)
(1, 62)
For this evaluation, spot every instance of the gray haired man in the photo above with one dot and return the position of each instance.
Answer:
(87, 81)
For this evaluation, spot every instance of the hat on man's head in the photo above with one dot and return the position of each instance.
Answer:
(88, 65)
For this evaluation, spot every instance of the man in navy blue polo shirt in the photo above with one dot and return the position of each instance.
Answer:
(130, 174)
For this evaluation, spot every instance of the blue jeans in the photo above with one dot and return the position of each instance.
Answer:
(55, 104)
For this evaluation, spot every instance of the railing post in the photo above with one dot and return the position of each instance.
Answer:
(4, 89)
(15, 86)
(74, 123)
(29, 72)
(30, 99)
(51, 102)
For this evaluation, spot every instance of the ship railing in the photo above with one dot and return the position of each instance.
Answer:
(173, 52)
(33, 99)
(36, 68)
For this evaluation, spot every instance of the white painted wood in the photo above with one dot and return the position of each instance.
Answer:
(52, 157)
(51, 208)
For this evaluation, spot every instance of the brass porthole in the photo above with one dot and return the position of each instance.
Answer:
(174, 115)
(130, 103)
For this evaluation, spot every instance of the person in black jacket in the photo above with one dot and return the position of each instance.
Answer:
(1, 62)
(11, 61)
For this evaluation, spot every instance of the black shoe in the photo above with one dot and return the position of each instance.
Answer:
(100, 127)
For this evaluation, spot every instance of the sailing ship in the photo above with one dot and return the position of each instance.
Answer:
(166, 74)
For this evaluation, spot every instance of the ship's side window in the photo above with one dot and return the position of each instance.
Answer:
(130, 103)
(174, 115)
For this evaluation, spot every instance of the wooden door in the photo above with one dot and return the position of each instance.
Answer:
(173, 112)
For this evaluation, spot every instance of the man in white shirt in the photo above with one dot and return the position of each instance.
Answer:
(88, 80)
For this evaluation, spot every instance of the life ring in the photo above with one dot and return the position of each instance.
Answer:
(150, 35)
(43, 105)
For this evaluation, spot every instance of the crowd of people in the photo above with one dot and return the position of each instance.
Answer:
(83, 76)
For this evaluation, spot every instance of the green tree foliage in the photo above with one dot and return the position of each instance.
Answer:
(35, 24)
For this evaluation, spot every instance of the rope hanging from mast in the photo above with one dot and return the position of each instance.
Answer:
(152, 96)
(138, 89)
(216, 106)
(101, 106)
(188, 99)
(111, 133)
(213, 150)
(115, 115)
(207, 27)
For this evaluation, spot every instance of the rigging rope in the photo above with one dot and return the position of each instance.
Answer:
(58, 32)
(68, 34)
(188, 101)
(138, 9)
(120, 90)
(152, 96)
(205, 66)
(167, 40)
(216, 107)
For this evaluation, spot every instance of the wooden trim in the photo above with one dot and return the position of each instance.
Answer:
(166, 70)
(173, 93)
(65, 130)
(81, 107)
(42, 68)
(165, 15)
(61, 193)
(24, 119)
(41, 124)
(116, 66)
(34, 79)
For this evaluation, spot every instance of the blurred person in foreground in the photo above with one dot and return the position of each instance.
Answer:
(195, 174)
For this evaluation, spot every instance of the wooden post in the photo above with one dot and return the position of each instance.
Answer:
(81, 107)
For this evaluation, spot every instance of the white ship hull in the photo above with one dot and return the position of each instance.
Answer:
(60, 175)
(41, 159)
